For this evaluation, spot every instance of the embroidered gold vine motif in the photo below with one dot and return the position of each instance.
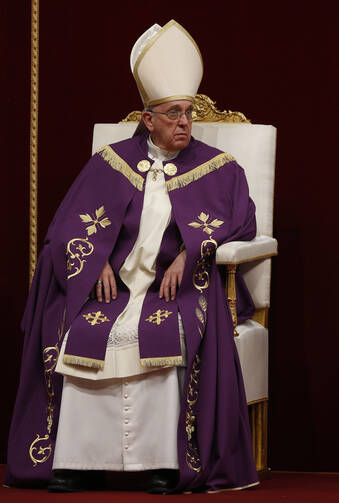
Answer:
(76, 250)
(159, 316)
(95, 220)
(201, 281)
(38, 451)
(203, 222)
(95, 318)
(192, 455)
(201, 314)
(207, 249)
(201, 277)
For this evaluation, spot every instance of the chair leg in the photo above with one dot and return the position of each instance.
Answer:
(232, 295)
(258, 420)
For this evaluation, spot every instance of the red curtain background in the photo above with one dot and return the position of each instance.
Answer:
(275, 62)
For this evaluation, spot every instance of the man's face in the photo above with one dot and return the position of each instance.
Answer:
(166, 133)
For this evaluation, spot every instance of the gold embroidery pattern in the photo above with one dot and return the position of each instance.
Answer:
(192, 455)
(196, 173)
(159, 316)
(77, 248)
(201, 281)
(118, 164)
(43, 456)
(206, 224)
(37, 452)
(94, 221)
(199, 315)
(95, 318)
(203, 303)
(201, 278)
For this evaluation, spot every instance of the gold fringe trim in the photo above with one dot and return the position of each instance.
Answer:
(162, 361)
(195, 174)
(83, 361)
(117, 163)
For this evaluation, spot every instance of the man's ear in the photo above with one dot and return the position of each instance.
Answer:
(147, 118)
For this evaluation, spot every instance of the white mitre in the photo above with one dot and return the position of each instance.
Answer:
(166, 64)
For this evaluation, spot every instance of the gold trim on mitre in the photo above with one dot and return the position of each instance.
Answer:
(172, 98)
(153, 74)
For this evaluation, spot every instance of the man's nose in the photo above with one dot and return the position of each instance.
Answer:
(183, 119)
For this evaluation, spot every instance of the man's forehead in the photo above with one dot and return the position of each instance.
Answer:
(176, 105)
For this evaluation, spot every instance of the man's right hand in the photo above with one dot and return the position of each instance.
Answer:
(105, 286)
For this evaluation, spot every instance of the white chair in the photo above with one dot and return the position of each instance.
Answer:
(253, 146)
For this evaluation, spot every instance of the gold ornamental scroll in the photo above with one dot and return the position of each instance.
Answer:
(33, 145)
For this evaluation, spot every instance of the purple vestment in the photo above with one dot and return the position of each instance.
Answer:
(98, 221)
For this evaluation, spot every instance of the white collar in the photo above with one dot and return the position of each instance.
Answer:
(156, 152)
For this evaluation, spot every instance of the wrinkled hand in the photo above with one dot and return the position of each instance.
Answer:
(173, 277)
(108, 285)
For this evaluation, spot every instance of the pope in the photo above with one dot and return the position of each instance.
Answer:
(129, 360)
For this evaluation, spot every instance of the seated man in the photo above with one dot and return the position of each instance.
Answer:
(128, 305)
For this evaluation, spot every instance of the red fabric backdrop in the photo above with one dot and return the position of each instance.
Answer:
(275, 62)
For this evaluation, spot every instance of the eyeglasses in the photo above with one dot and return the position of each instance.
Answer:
(175, 115)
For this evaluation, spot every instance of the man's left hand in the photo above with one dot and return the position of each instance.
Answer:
(173, 277)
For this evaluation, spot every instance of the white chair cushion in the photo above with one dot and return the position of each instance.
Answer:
(252, 346)
(237, 252)
(105, 134)
(257, 276)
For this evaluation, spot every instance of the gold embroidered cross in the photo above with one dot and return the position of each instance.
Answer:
(203, 217)
(159, 316)
(95, 318)
(155, 172)
(94, 221)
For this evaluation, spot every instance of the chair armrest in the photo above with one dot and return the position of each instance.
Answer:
(237, 252)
